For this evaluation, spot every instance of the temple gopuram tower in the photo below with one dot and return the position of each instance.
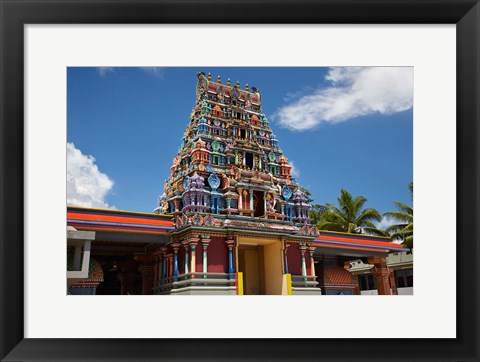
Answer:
(241, 222)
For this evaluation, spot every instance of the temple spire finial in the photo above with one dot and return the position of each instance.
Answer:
(228, 82)
(219, 80)
(209, 76)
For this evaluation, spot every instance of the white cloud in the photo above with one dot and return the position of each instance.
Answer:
(86, 185)
(295, 172)
(104, 70)
(353, 92)
(386, 222)
(157, 72)
(290, 96)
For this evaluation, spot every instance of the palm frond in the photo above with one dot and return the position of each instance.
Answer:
(330, 226)
(368, 215)
(376, 232)
(408, 227)
(408, 242)
(358, 203)
(395, 228)
(403, 207)
(399, 216)
(401, 235)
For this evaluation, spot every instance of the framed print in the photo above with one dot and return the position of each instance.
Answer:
(49, 48)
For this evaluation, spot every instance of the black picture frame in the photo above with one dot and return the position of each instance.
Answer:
(15, 14)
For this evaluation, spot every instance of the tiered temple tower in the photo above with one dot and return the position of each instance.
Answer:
(237, 209)
(229, 161)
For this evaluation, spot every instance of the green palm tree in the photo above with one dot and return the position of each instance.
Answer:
(316, 213)
(350, 217)
(403, 229)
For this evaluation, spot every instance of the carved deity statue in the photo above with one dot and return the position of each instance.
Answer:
(270, 203)
(225, 181)
(164, 206)
(237, 172)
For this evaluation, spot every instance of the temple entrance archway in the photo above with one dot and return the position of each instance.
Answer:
(260, 261)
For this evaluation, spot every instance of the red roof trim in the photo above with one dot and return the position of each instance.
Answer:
(118, 229)
(346, 247)
(117, 219)
(358, 241)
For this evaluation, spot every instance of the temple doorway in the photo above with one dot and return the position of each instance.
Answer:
(260, 261)
(251, 265)
(258, 203)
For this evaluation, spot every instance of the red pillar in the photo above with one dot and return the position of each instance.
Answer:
(381, 274)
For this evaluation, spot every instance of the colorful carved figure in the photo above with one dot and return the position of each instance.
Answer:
(270, 203)
(238, 173)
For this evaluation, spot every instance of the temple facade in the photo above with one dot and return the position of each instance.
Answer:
(231, 221)
(235, 205)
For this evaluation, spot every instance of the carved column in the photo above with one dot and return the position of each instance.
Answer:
(285, 251)
(193, 260)
(240, 202)
(186, 247)
(244, 196)
(168, 272)
(164, 265)
(265, 203)
(357, 285)
(393, 284)
(230, 243)
(155, 271)
(251, 202)
(381, 274)
(303, 249)
(175, 247)
(205, 243)
(311, 250)
(147, 275)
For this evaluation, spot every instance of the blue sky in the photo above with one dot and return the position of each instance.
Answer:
(342, 128)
